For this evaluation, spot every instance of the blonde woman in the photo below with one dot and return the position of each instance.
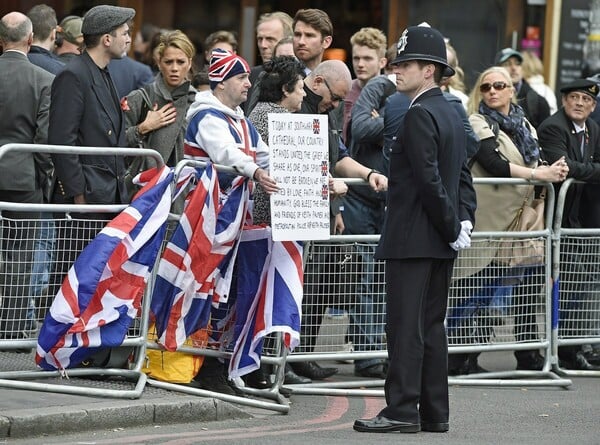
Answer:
(155, 114)
(508, 149)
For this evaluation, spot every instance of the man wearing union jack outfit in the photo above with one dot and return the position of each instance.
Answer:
(219, 132)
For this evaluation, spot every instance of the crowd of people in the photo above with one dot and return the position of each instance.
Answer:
(406, 116)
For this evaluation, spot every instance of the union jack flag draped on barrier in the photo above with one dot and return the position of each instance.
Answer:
(269, 296)
(102, 291)
(196, 256)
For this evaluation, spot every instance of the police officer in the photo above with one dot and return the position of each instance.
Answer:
(429, 217)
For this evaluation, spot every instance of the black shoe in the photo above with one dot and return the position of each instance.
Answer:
(291, 378)
(473, 365)
(376, 371)
(593, 357)
(435, 427)
(381, 424)
(579, 363)
(529, 360)
(312, 370)
(458, 364)
(257, 379)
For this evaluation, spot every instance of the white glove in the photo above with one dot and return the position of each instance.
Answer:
(464, 236)
(466, 224)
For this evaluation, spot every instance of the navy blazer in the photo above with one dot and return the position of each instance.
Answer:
(430, 186)
(84, 111)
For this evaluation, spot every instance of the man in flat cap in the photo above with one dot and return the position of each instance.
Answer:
(430, 213)
(570, 132)
(85, 111)
(536, 108)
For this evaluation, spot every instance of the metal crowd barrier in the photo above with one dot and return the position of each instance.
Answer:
(576, 292)
(18, 371)
(332, 269)
(500, 320)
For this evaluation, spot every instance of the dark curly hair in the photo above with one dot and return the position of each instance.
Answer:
(280, 73)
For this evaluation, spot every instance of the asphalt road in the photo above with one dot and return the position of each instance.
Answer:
(479, 415)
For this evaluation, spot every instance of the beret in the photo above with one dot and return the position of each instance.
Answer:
(103, 19)
(504, 54)
(585, 86)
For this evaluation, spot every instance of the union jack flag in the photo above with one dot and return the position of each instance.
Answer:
(102, 292)
(269, 296)
(195, 257)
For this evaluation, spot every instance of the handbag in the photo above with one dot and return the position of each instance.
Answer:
(525, 251)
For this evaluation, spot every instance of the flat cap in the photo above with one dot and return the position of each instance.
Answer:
(588, 87)
(103, 19)
(504, 54)
(70, 28)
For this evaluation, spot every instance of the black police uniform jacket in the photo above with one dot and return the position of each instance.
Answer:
(558, 138)
(430, 188)
(85, 111)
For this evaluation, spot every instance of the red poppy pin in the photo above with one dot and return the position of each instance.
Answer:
(124, 104)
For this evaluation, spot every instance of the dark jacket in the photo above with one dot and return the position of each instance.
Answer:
(45, 59)
(430, 188)
(557, 137)
(535, 106)
(85, 111)
(129, 75)
(365, 134)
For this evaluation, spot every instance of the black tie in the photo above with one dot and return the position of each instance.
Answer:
(581, 140)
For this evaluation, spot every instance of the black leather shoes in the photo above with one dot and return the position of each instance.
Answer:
(312, 370)
(529, 360)
(377, 371)
(435, 427)
(291, 378)
(381, 424)
(580, 363)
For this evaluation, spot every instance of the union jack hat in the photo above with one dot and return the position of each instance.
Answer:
(223, 65)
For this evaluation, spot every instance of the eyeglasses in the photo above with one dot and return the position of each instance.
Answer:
(334, 97)
(498, 86)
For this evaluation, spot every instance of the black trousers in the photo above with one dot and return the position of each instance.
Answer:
(416, 388)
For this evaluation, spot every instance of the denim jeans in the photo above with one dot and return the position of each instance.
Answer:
(367, 316)
(42, 262)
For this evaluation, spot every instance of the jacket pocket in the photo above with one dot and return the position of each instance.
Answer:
(100, 184)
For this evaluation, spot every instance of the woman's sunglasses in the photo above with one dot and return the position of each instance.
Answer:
(498, 86)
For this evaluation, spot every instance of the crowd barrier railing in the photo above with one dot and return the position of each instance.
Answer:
(73, 230)
(509, 322)
(332, 275)
(576, 291)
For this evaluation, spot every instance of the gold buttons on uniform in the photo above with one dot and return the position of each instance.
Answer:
(109, 132)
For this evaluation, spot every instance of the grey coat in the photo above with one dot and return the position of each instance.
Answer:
(24, 108)
(168, 141)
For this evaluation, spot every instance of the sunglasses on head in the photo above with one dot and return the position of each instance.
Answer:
(498, 86)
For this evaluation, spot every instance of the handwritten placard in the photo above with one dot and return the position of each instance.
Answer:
(299, 162)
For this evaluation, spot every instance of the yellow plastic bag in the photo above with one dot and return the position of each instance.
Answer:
(175, 367)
